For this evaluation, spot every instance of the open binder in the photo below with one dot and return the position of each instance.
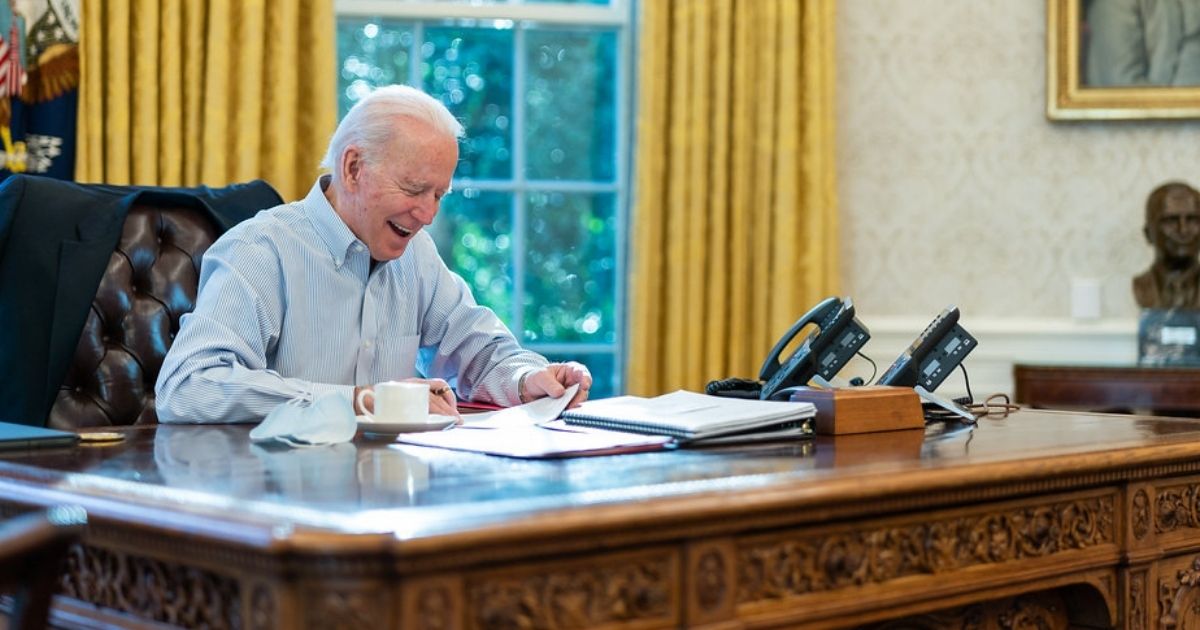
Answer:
(689, 416)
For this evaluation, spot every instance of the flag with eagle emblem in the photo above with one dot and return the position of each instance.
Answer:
(39, 86)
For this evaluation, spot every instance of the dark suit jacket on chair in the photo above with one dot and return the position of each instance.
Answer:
(56, 239)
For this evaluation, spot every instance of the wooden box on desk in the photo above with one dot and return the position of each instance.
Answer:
(842, 410)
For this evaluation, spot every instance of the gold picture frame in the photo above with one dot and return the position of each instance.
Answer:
(1067, 98)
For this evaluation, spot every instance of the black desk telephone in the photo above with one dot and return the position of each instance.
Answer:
(823, 353)
(933, 355)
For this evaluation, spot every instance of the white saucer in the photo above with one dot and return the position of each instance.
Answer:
(436, 423)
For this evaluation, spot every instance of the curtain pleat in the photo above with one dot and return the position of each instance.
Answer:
(741, 264)
(169, 95)
(206, 92)
(646, 234)
(195, 66)
(734, 227)
(143, 102)
(718, 247)
(217, 114)
(89, 149)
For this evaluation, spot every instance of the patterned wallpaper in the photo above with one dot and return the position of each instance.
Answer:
(954, 188)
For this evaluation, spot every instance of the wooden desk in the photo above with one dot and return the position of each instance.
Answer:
(193, 526)
(1174, 391)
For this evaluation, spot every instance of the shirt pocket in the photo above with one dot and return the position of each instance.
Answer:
(396, 357)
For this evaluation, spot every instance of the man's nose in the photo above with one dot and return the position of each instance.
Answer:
(1186, 227)
(427, 208)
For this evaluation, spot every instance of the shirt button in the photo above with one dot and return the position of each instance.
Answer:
(366, 344)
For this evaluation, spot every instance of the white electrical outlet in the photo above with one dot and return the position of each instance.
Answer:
(1085, 298)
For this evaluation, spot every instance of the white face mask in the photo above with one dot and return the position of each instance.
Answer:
(327, 420)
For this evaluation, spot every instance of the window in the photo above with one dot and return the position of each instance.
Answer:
(535, 224)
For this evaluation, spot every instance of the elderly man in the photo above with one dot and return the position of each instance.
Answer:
(1173, 228)
(344, 289)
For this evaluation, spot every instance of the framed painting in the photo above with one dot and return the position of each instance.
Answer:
(1122, 59)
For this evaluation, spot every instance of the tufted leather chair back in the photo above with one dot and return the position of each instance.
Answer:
(150, 282)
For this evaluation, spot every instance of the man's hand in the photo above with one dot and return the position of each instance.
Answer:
(554, 379)
(441, 397)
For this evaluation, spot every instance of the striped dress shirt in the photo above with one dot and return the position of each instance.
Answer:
(289, 307)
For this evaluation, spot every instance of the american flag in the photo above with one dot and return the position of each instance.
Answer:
(12, 72)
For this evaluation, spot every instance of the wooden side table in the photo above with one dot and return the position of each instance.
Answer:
(1158, 390)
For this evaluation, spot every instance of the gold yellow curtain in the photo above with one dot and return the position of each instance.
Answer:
(205, 92)
(734, 227)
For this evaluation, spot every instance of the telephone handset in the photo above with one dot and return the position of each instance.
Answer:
(933, 354)
(822, 353)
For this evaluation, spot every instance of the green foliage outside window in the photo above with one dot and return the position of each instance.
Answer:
(547, 169)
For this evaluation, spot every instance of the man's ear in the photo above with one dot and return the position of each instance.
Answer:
(351, 166)
(1146, 233)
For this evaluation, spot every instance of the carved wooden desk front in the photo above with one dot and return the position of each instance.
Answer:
(1045, 517)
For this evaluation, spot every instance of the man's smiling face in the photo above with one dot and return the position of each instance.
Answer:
(387, 199)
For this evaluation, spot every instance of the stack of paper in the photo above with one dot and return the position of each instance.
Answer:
(690, 416)
(626, 424)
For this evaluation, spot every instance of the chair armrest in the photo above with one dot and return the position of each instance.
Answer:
(32, 550)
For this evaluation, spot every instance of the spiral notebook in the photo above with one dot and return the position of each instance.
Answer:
(688, 415)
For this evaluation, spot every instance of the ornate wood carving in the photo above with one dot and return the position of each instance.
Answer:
(151, 589)
(1179, 600)
(1140, 514)
(1106, 586)
(1177, 507)
(584, 597)
(1166, 595)
(346, 608)
(1137, 601)
(262, 608)
(710, 580)
(1044, 611)
(796, 566)
(435, 609)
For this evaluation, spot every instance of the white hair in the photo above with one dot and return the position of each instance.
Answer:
(370, 125)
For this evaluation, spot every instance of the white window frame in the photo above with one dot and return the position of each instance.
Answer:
(618, 15)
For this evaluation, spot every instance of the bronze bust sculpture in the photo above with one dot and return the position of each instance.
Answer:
(1173, 229)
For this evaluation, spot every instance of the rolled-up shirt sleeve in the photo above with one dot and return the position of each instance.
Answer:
(217, 369)
(468, 342)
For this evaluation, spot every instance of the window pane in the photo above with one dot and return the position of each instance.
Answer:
(568, 77)
(471, 71)
(372, 52)
(570, 101)
(473, 233)
(601, 365)
(570, 277)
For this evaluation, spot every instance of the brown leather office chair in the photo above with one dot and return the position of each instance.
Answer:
(33, 548)
(119, 263)
(150, 281)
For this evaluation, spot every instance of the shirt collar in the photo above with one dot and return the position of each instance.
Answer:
(329, 226)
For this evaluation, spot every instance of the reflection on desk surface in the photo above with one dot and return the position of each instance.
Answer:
(361, 485)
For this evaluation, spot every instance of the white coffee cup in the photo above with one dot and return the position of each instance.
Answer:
(397, 401)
